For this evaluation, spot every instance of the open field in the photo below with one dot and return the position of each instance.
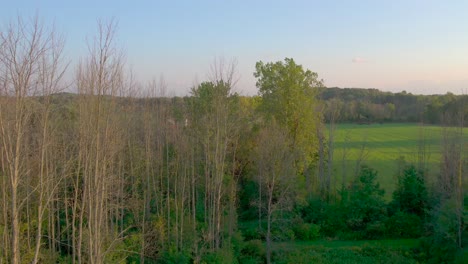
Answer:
(365, 251)
(389, 243)
(381, 146)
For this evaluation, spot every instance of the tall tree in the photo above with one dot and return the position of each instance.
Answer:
(275, 166)
(215, 125)
(334, 109)
(288, 94)
(451, 180)
(30, 56)
(100, 79)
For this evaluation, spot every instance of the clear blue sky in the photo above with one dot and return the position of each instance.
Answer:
(417, 46)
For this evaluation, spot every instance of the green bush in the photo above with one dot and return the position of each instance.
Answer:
(282, 232)
(250, 230)
(237, 243)
(248, 210)
(404, 225)
(366, 208)
(173, 256)
(305, 231)
(334, 222)
(253, 250)
(221, 256)
(410, 195)
(375, 230)
(441, 245)
(315, 211)
(361, 255)
(328, 218)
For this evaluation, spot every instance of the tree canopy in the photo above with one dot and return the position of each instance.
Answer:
(288, 94)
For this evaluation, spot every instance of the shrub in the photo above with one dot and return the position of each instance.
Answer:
(334, 222)
(441, 246)
(366, 207)
(315, 211)
(410, 195)
(362, 255)
(221, 256)
(251, 230)
(253, 250)
(173, 256)
(327, 219)
(282, 232)
(237, 243)
(404, 225)
(305, 231)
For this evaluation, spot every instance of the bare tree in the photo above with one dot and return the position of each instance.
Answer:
(216, 130)
(275, 167)
(344, 157)
(50, 72)
(450, 181)
(334, 109)
(30, 65)
(322, 177)
(362, 154)
(100, 79)
(423, 152)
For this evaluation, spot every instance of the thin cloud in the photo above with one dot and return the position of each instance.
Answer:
(359, 60)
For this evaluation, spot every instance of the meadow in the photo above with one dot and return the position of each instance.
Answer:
(362, 251)
(384, 147)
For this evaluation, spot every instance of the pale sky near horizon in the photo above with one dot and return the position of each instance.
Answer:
(417, 46)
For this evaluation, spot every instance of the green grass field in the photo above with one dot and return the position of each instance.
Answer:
(365, 251)
(388, 243)
(380, 146)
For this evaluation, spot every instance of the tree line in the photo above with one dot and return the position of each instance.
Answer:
(121, 173)
(372, 106)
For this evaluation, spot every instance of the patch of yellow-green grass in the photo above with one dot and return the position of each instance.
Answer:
(362, 252)
(387, 243)
(383, 146)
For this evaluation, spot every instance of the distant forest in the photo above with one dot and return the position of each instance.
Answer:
(364, 106)
(372, 105)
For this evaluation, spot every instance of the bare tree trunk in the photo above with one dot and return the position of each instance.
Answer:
(51, 73)
(450, 180)
(275, 166)
(423, 153)
(334, 110)
(215, 126)
(100, 79)
(460, 198)
(331, 134)
(269, 219)
(344, 160)
(321, 164)
(29, 61)
(362, 155)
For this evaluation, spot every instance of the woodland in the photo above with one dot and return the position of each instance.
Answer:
(119, 172)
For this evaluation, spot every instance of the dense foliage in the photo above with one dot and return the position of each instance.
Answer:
(104, 176)
(372, 105)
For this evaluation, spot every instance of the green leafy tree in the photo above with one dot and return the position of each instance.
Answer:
(215, 126)
(366, 205)
(411, 194)
(289, 95)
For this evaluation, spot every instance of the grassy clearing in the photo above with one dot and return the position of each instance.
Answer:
(364, 251)
(382, 146)
(387, 243)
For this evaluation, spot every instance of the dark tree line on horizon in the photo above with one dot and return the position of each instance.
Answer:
(372, 106)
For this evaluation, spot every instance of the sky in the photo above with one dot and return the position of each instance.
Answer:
(417, 46)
